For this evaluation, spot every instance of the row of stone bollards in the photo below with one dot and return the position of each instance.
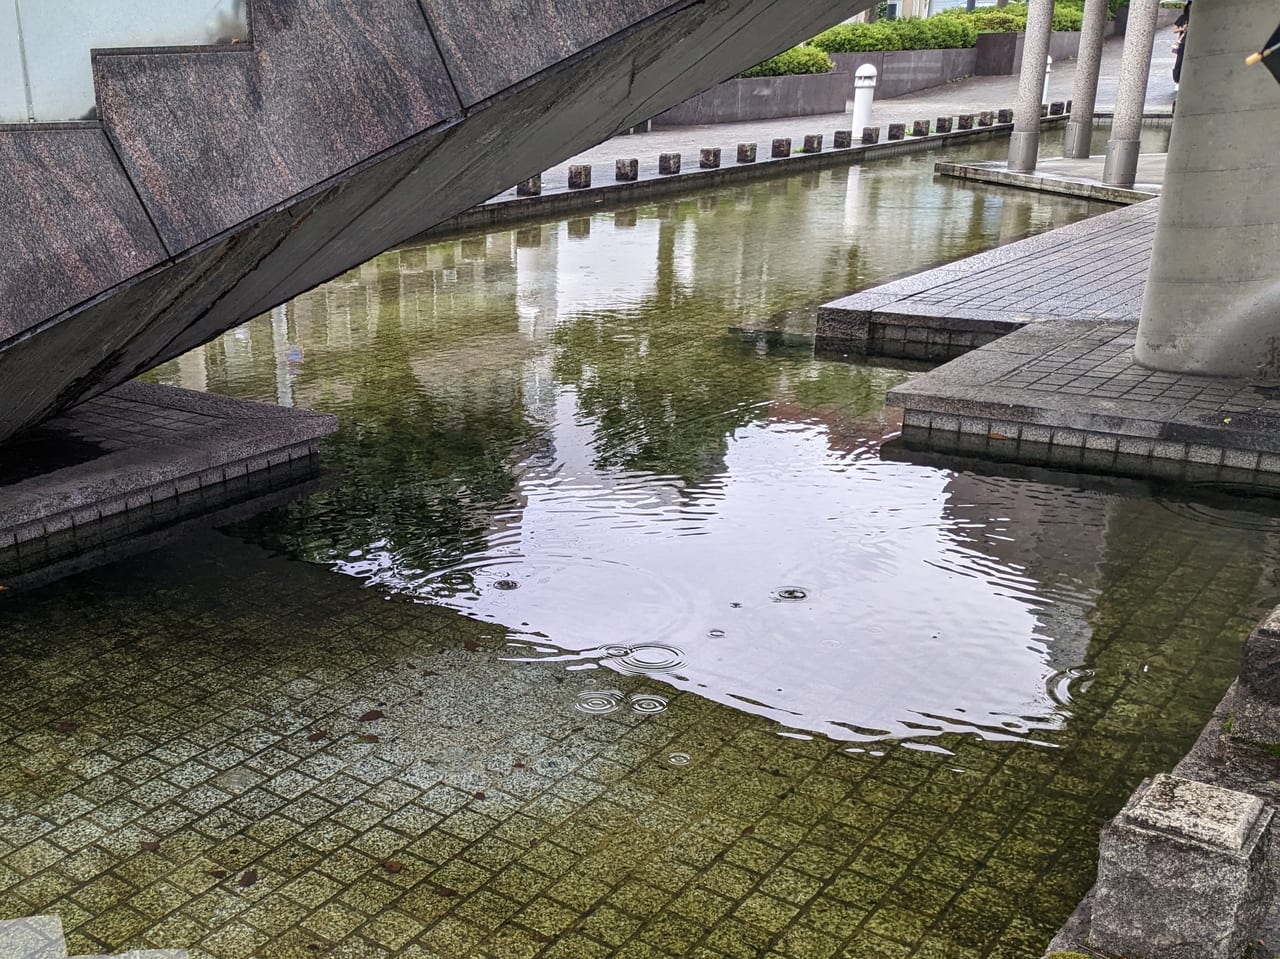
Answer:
(669, 164)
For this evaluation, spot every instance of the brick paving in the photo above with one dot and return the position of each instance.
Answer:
(1095, 269)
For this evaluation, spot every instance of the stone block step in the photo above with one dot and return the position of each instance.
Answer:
(34, 937)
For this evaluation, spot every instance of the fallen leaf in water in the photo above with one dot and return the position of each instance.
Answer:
(393, 866)
(371, 715)
(446, 892)
(149, 845)
(479, 796)
(369, 738)
(749, 831)
(66, 726)
(541, 937)
(519, 766)
(249, 878)
(218, 873)
(318, 736)
(429, 672)
(471, 646)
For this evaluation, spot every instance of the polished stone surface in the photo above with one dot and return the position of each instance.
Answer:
(72, 224)
(213, 137)
(391, 189)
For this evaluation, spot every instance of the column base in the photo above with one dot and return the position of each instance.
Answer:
(1024, 150)
(1079, 140)
(1121, 165)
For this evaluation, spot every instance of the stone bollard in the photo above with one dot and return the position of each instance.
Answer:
(897, 131)
(1044, 110)
(813, 143)
(1255, 713)
(668, 164)
(530, 187)
(1183, 872)
(964, 121)
(781, 148)
(1004, 116)
(579, 176)
(1068, 107)
(842, 140)
(1057, 108)
(870, 134)
(920, 128)
(985, 118)
(709, 158)
(746, 153)
(943, 125)
(628, 170)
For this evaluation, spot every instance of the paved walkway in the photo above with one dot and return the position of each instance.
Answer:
(971, 95)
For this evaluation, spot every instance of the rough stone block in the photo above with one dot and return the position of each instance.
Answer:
(964, 121)
(813, 143)
(920, 128)
(1182, 873)
(781, 148)
(746, 153)
(579, 176)
(1255, 714)
(942, 125)
(1004, 116)
(842, 140)
(870, 134)
(530, 187)
(897, 131)
(1068, 105)
(1044, 110)
(986, 118)
(1057, 108)
(709, 158)
(627, 170)
(668, 164)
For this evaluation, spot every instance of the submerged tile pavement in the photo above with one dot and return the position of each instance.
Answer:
(221, 750)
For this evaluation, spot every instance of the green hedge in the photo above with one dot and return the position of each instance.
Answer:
(796, 61)
(950, 29)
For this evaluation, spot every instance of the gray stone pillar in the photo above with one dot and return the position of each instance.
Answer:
(1084, 94)
(1024, 142)
(1121, 165)
(1213, 294)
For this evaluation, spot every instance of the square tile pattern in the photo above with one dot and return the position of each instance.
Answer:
(217, 749)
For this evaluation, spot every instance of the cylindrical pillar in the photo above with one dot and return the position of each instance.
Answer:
(1024, 142)
(1121, 165)
(1213, 293)
(1084, 93)
(864, 94)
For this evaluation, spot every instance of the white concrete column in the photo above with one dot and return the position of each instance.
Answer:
(1084, 94)
(1024, 142)
(1213, 294)
(1121, 165)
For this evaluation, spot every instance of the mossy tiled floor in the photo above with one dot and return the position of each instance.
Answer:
(220, 749)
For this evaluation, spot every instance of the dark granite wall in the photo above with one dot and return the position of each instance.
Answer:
(337, 133)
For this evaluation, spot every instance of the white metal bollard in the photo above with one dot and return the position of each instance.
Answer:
(864, 93)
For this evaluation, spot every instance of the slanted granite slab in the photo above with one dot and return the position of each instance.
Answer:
(1067, 393)
(138, 455)
(1092, 270)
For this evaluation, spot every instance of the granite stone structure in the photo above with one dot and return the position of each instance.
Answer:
(219, 182)
(580, 176)
(669, 164)
(870, 134)
(813, 143)
(709, 158)
(897, 131)
(1183, 873)
(842, 139)
(746, 153)
(530, 187)
(781, 147)
(627, 170)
